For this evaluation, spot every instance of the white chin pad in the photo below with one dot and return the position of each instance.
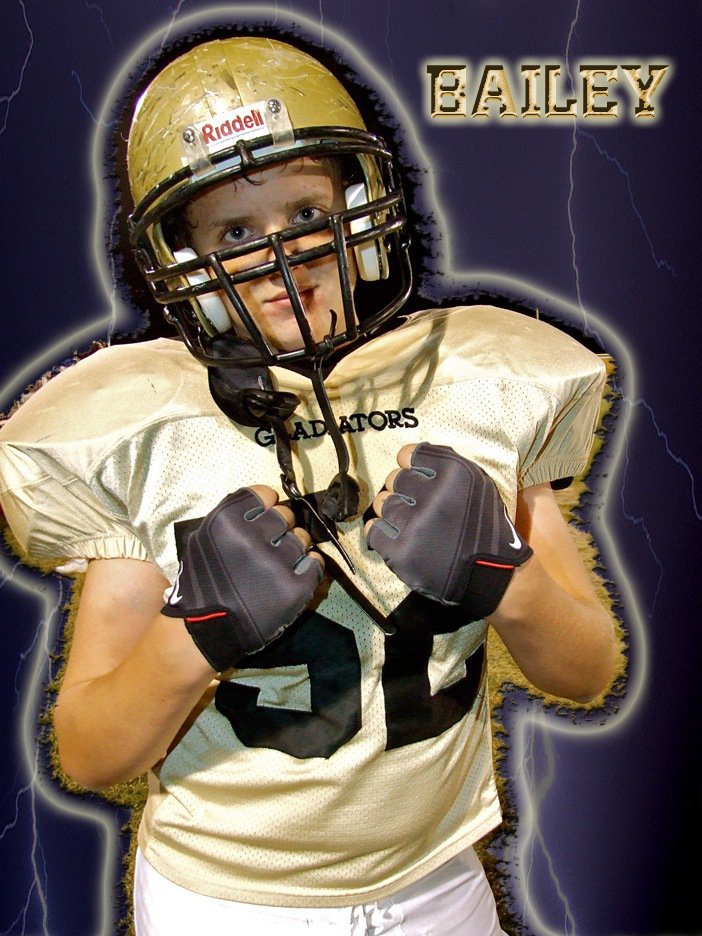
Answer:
(214, 312)
(367, 255)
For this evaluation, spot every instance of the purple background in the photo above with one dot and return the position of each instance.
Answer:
(617, 813)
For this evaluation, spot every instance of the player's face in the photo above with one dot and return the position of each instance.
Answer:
(233, 213)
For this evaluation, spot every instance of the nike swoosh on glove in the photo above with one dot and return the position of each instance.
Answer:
(444, 531)
(244, 578)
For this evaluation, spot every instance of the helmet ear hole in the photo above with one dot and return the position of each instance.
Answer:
(370, 258)
(213, 313)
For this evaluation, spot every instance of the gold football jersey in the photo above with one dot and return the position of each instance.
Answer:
(339, 764)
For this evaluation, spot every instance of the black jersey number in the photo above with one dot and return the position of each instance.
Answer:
(329, 651)
(412, 712)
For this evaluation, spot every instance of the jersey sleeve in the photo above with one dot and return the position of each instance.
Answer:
(54, 446)
(563, 443)
(55, 515)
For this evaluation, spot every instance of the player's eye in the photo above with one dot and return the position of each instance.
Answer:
(237, 234)
(308, 213)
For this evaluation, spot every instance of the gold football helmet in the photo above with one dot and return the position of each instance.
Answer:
(234, 106)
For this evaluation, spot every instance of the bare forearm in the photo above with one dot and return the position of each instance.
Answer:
(562, 642)
(115, 726)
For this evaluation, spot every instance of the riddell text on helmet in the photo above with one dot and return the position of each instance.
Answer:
(241, 122)
(212, 133)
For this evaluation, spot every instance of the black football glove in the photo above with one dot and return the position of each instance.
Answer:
(244, 577)
(444, 531)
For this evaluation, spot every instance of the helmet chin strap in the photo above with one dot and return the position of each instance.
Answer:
(342, 495)
(246, 395)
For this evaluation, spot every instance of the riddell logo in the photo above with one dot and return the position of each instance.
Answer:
(246, 121)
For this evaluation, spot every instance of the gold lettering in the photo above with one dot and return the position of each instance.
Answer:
(592, 108)
(448, 90)
(553, 108)
(494, 86)
(530, 108)
(644, 91)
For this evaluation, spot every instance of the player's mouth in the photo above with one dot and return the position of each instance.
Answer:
(281, 302)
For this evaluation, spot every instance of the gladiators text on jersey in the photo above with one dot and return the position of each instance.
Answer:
(356, 422)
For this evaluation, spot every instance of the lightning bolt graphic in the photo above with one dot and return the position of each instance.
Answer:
(640, 522)
(36, 788)
(33, 670)
(7, 99)
(531, 791)
(83, 102)
(659, 262)
(101, 16)
(533, 763)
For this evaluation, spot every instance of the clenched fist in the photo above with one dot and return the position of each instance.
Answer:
(246, 574)
(443, 529)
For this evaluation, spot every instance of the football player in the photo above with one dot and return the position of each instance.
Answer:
(335, 510)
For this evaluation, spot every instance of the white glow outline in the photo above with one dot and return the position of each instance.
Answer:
(524, 722)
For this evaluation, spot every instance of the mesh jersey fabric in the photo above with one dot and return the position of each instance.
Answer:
(337, 765)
